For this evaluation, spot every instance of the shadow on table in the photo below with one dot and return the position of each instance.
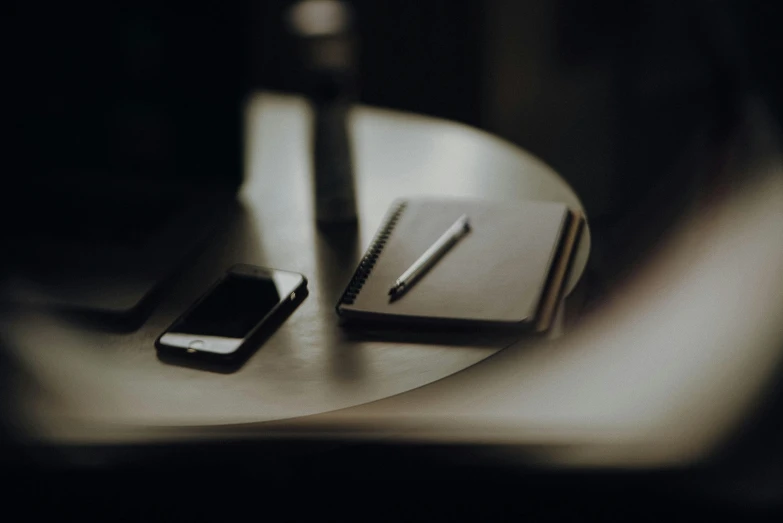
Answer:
(457, 335)
(337, 253)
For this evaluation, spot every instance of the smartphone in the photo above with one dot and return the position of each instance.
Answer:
(237, 312)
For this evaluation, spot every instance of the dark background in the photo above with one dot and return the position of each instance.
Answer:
(625, 99)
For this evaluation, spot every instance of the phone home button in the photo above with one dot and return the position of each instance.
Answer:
(196, 345)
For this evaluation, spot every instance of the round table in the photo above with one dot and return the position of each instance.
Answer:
(310, 365)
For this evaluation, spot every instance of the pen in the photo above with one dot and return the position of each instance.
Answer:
(430, 256)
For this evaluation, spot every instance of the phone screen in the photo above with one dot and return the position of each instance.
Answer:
(221, 321)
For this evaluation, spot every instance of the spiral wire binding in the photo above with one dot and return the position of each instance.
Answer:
(371, 257)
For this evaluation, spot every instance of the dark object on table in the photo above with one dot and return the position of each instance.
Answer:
(234, 315)
(509, 271)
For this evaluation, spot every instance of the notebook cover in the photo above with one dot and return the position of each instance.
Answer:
(497, 273)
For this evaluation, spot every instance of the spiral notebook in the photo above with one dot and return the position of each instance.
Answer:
(509, 270)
